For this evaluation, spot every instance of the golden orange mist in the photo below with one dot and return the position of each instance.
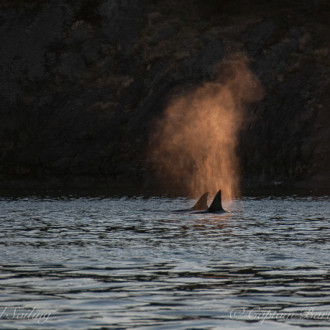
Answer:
(195, 142)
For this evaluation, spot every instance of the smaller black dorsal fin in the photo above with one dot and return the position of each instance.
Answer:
(201, 203)
(216, 205)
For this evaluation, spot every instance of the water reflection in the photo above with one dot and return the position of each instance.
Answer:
(113, 262)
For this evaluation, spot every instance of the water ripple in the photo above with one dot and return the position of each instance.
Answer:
(133, 263)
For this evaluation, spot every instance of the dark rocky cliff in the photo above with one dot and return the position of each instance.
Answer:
(82, 81)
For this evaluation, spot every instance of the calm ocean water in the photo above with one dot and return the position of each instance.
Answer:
(123, 263)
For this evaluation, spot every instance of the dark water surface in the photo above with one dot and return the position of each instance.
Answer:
(133, 263)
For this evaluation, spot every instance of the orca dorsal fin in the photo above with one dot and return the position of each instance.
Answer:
(201, 203)
(216, 205)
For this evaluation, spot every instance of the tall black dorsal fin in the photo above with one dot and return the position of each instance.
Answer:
(216, 205)
(201, 203)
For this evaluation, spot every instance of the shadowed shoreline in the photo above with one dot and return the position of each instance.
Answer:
(83, 85)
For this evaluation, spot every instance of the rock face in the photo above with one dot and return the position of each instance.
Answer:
(82, 83)
(283, 135)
